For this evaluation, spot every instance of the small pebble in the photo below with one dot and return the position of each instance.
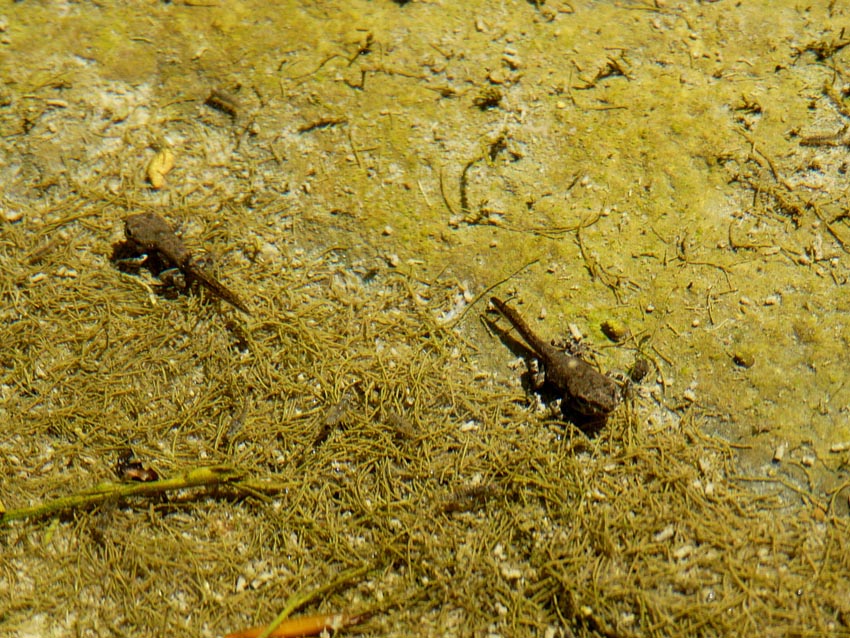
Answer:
(743, 359)
(13, 215)
(683, 552)
(665, 534)
(497, 77)
(575, 332)
(513, 61)
(615, 330)
(67, 273)
(510, 572)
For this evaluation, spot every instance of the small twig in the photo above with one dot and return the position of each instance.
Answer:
(321, 123)
(464, 199)
(597, 270)
(839, 138)
(445, 197)
(300, 599)
(489, 289)
(830, 229)
(211, 476)
(835, 494)
(199, 477)
(836, 99)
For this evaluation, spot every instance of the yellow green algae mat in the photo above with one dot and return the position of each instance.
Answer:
(664, 182)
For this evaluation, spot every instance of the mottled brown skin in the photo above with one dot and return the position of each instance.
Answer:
(151, 233)
(583, 387)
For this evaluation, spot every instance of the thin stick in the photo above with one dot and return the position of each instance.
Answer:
(302, 598)
(199, 477)
(488, 289)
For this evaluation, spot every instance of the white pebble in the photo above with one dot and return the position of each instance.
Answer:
(665, 534)
(12, 215)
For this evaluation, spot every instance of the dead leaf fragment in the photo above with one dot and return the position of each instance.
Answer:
(304, 626)
(159, 166)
